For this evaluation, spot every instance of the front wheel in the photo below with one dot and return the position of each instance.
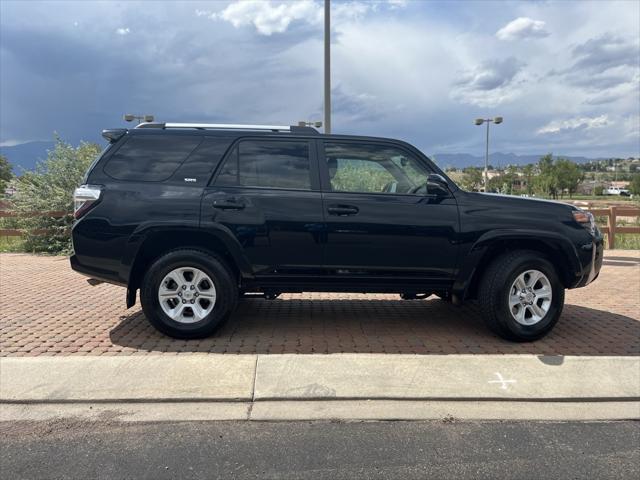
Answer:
(188, 294)
(521, 296)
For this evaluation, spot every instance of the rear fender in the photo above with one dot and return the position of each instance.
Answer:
(162, 238)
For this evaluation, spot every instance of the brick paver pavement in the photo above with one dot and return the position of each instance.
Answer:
(47, 309)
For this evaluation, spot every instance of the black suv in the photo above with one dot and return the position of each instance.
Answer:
(195, 216)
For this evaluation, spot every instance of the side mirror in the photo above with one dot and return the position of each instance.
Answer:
(437, 185)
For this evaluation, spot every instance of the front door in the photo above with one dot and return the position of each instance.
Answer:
(381, 219)
(266, 194)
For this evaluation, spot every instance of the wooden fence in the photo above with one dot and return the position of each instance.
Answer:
(9, 232)
(613, 213)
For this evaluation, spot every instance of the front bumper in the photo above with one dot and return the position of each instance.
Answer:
(592, 269)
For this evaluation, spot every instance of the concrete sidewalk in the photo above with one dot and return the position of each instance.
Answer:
(343, 386)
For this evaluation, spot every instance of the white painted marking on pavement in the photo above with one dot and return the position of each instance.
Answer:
(502, 381)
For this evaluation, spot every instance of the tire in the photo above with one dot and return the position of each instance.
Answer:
(415, 296)
(495, 295)
(216, 292)
(444, 296)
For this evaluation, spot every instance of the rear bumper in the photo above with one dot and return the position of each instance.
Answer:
(104, 275)
(97, 251)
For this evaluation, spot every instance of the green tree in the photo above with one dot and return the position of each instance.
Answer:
(528, 178)
(6, 174)
(471, 179)
(568, 176)
(634, 185)
(49, 188)
(503, 183)
(547, 181)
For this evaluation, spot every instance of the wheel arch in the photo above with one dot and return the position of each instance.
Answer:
(558, 250)
(155, 242)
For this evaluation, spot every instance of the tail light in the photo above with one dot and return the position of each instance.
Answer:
(85, 197)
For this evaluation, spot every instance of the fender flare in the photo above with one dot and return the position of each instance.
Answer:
(154, 231)
(476, 253)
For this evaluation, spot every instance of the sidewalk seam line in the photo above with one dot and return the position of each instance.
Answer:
(253, 390)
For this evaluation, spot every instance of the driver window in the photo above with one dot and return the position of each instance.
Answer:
(370, 168)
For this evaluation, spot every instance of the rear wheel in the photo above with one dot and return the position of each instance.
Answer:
(521, 296)
(188, 294)
(414, 296)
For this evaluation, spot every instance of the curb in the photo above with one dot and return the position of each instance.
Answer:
(339, 410)
(327, 386)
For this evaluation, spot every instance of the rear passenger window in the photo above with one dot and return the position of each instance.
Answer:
(274, 164)
(150, 158)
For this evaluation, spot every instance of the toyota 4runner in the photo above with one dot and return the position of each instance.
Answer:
(195, 216)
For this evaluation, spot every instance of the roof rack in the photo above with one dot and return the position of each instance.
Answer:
(217, 126)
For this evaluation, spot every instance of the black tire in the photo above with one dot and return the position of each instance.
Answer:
(494, 294)
(444, 296)
(225, 287)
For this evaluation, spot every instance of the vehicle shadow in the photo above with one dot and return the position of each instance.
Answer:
(308, 326)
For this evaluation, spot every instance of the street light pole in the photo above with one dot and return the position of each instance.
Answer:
(480, 121)
(327, 66)
(486, 159)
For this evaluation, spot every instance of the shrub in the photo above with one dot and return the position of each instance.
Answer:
(634, 185)
(49, 188)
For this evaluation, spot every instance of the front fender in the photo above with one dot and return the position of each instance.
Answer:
(487, 242)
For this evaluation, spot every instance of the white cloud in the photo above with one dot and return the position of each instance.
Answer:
(14, 142)
(522, 27)
(123, 31)
(581, 123)
(269, 17)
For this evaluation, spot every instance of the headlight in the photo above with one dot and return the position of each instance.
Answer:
(586, 220)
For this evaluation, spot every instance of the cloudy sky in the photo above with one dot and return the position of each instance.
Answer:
(565, 75)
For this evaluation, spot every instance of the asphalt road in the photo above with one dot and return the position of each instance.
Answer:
(324, 450)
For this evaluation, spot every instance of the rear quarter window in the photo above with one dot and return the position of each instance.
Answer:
(150, 159)
(268, 164)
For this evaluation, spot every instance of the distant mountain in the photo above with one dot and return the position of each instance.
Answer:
(25, 155)
(497, 159)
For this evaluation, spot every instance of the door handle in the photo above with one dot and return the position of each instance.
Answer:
(229, 204)
(343, 210)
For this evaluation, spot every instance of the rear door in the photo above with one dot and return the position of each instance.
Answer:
(266, 193)
(381, 219)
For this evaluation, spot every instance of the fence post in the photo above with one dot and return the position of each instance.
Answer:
(611, 223)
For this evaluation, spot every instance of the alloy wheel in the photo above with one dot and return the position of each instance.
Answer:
(187, 294)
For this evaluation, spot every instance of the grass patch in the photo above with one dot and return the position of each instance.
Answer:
(625, 241)
(11, 244)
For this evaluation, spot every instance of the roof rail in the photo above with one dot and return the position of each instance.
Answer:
(216, 126)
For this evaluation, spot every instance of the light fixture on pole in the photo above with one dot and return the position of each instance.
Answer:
(480, 121)
(303, 123)
(129, 117)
